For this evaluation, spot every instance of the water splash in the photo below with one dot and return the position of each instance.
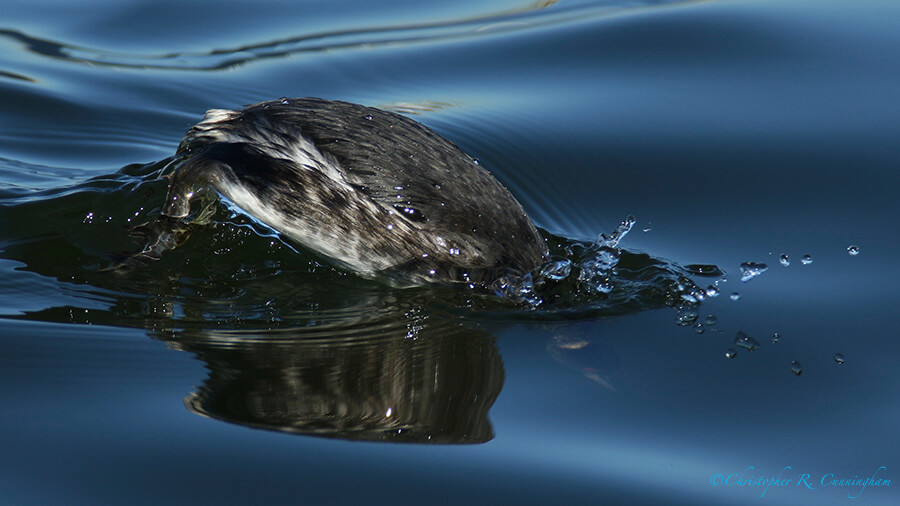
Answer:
(602, 277)
(556, 270)
(254, 279)
(614, 238)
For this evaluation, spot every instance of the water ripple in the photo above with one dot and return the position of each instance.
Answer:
(538, 14)
(235, 274)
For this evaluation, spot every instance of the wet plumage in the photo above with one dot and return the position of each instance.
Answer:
(371, 190)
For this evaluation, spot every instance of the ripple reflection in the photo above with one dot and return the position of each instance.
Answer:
(379, 386)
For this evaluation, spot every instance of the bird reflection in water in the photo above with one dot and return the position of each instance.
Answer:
(376, 383)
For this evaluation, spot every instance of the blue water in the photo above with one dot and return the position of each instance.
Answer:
(240, 369)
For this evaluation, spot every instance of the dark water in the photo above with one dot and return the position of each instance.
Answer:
(732, 131)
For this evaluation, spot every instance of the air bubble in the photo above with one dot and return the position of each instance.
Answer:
(776, 337)
(839, 358)
(746, 342)
(712, 291)
(796, 368)
(711, 320)
(750, 270)
(735, 296)
(784, 260)
(698, 328)
(853, 250)
(806, 260)
(730, 353)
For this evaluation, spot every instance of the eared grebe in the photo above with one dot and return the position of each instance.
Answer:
(373, 191)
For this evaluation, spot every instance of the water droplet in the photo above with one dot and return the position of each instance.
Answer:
(806, 260)
(647, 228)
(698, 328)
(285, 101)
(437, 186)
(750, 270)
(454, 251)
(796, 368)
(476, 161)
(712, 291)
(616, 236)
(784, 260)
(853, 250)
(390, 226)
(776, 337)
(839, 358)
(730, 353)
(711, 320)
(735, 296)
(686, 314)
(369, 117)
(746, 342)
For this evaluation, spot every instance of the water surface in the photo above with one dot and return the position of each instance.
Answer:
(241, 368)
